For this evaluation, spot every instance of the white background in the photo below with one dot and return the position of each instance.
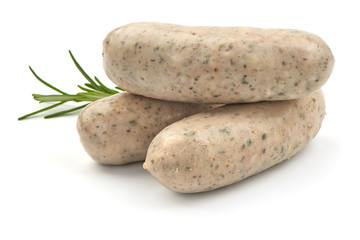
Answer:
(51, 189)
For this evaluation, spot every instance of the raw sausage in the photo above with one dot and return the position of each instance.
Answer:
(118, 129)
(215, 64)
(216, 148)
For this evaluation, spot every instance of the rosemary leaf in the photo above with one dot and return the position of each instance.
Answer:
(83, 72)
(85, 89)
(41, 110)
(106, 89)
(61, 113)
(46, 83)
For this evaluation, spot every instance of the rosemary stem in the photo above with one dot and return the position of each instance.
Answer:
(93, 90)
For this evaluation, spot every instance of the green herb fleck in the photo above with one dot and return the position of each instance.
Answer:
(133, 122)
(221, 152)
(244, 80)
(264, 136)
(190, 133)
(224, 130)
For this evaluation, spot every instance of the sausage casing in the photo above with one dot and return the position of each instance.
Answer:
(118, 129)
(216, 64)
(216, 148)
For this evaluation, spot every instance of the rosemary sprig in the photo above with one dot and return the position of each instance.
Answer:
(92, 91)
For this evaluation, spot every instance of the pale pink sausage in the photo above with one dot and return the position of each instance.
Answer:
(216, 64)
(216, 148)
(118, 129)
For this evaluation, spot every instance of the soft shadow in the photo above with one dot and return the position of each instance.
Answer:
(128, 170)
(307, 167)
(133, 175)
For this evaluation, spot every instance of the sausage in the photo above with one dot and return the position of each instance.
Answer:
(118, 129)
(216, 148)
(215, 64)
